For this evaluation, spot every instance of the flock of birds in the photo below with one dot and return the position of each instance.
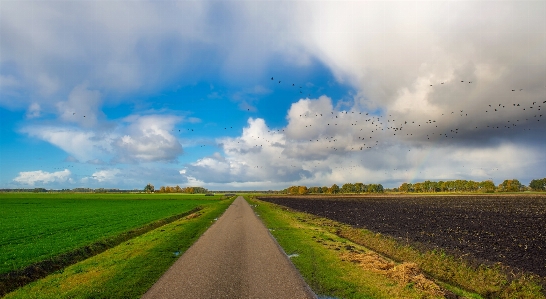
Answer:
(368, 126)
(341, 132)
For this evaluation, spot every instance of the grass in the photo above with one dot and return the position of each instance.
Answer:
(36, 227)
(127, 270)
(341, 261)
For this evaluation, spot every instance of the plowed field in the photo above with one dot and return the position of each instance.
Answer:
(509, 229)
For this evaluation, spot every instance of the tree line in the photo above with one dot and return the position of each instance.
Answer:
(335, 189)
(487, 186)
(176, 189)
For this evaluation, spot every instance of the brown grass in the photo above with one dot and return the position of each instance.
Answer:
(489, 281)
(404, 273)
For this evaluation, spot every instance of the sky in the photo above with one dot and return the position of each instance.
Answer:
(263, 95)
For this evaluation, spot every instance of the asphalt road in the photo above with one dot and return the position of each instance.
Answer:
(235, 258)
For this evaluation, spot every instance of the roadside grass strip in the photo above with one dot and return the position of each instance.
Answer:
(339, 261)
(129, 269)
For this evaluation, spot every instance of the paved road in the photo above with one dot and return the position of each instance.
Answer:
(235, 258)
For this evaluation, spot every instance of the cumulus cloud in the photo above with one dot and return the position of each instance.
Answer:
(31, 178)
(106, 175)
(322, 145)
(148, 138)
(255, 156)
(83, 145)
(136, 139)
(406, 61)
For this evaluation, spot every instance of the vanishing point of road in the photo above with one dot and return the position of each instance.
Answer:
(235, 258)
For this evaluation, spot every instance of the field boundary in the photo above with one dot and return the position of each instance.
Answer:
(15, 279)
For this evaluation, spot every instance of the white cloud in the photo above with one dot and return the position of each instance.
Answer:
(310, 152)
(32, 178)
(33, 110)
(82, 106)
(80, 144)
(106, 175)
(148, 138)
(73, 58)
(120, 47)
(135, 139)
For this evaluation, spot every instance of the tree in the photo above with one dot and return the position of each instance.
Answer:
(375, 188)
(538, 185)
(334, 189)
(510, 186)
(418, 187)
(293, 190)
(315, 190)
(302, 190)
(324, 189)
(404, 187)
(359, 188)
(348, 188)
(149, 188)
(487, 186)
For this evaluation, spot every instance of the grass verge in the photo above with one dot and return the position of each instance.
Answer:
(129, 269)
(338, 260)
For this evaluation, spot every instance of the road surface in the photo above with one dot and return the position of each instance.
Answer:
(235, 258)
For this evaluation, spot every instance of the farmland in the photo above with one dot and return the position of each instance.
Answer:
(36, 227)
(488, 229)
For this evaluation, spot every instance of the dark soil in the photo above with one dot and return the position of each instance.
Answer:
(508, 229)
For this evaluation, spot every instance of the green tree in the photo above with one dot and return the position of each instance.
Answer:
(348, 188)
(359, 188)
(418, 187)
(334, 189)
(149, 188)
(510, 186)
(487, 186)
(404, 187)
(538, 185)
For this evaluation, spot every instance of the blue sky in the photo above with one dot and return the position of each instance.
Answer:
(118, 94)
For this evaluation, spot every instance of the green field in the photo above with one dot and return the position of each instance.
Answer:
(129, 269)
(38, 226)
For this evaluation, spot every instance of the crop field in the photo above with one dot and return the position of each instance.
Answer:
(36, 227)
(509, 229)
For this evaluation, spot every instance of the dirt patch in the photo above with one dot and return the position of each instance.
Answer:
(193, 215)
